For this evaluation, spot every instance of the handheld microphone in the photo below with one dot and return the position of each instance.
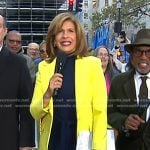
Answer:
(60, 62)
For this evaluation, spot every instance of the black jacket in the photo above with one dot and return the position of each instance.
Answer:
(16, 123)
(122, 102)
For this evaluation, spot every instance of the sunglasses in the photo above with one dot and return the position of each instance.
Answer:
(14, 41)
(139, 53)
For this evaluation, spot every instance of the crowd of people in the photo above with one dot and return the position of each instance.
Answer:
(71, 96)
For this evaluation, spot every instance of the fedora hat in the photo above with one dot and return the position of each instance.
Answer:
(142, 38)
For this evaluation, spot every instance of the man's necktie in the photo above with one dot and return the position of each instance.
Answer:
(143, 96)
(143, 93)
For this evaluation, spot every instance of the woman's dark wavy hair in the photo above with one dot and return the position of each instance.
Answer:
(55, 27)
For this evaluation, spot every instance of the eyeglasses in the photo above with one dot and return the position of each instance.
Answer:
(33, 49)
(14, 41)
(139, 53)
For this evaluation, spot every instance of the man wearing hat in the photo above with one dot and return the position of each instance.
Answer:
(129, 98)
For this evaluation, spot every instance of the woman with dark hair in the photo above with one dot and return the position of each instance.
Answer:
(109, 71)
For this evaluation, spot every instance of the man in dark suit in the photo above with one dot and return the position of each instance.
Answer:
(125, 112)
(16, 123)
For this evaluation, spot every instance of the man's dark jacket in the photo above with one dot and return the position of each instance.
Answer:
(16, 123)
(122, 102)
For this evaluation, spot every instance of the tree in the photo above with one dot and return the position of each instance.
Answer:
(131, 13)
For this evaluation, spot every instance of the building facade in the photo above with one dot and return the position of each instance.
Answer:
(31, 17)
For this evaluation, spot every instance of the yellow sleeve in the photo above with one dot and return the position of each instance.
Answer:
(99, 108)
(36, 107)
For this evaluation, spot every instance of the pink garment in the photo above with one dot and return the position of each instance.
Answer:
(107, 79)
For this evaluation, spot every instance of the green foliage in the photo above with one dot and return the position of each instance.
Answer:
(130, 13)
